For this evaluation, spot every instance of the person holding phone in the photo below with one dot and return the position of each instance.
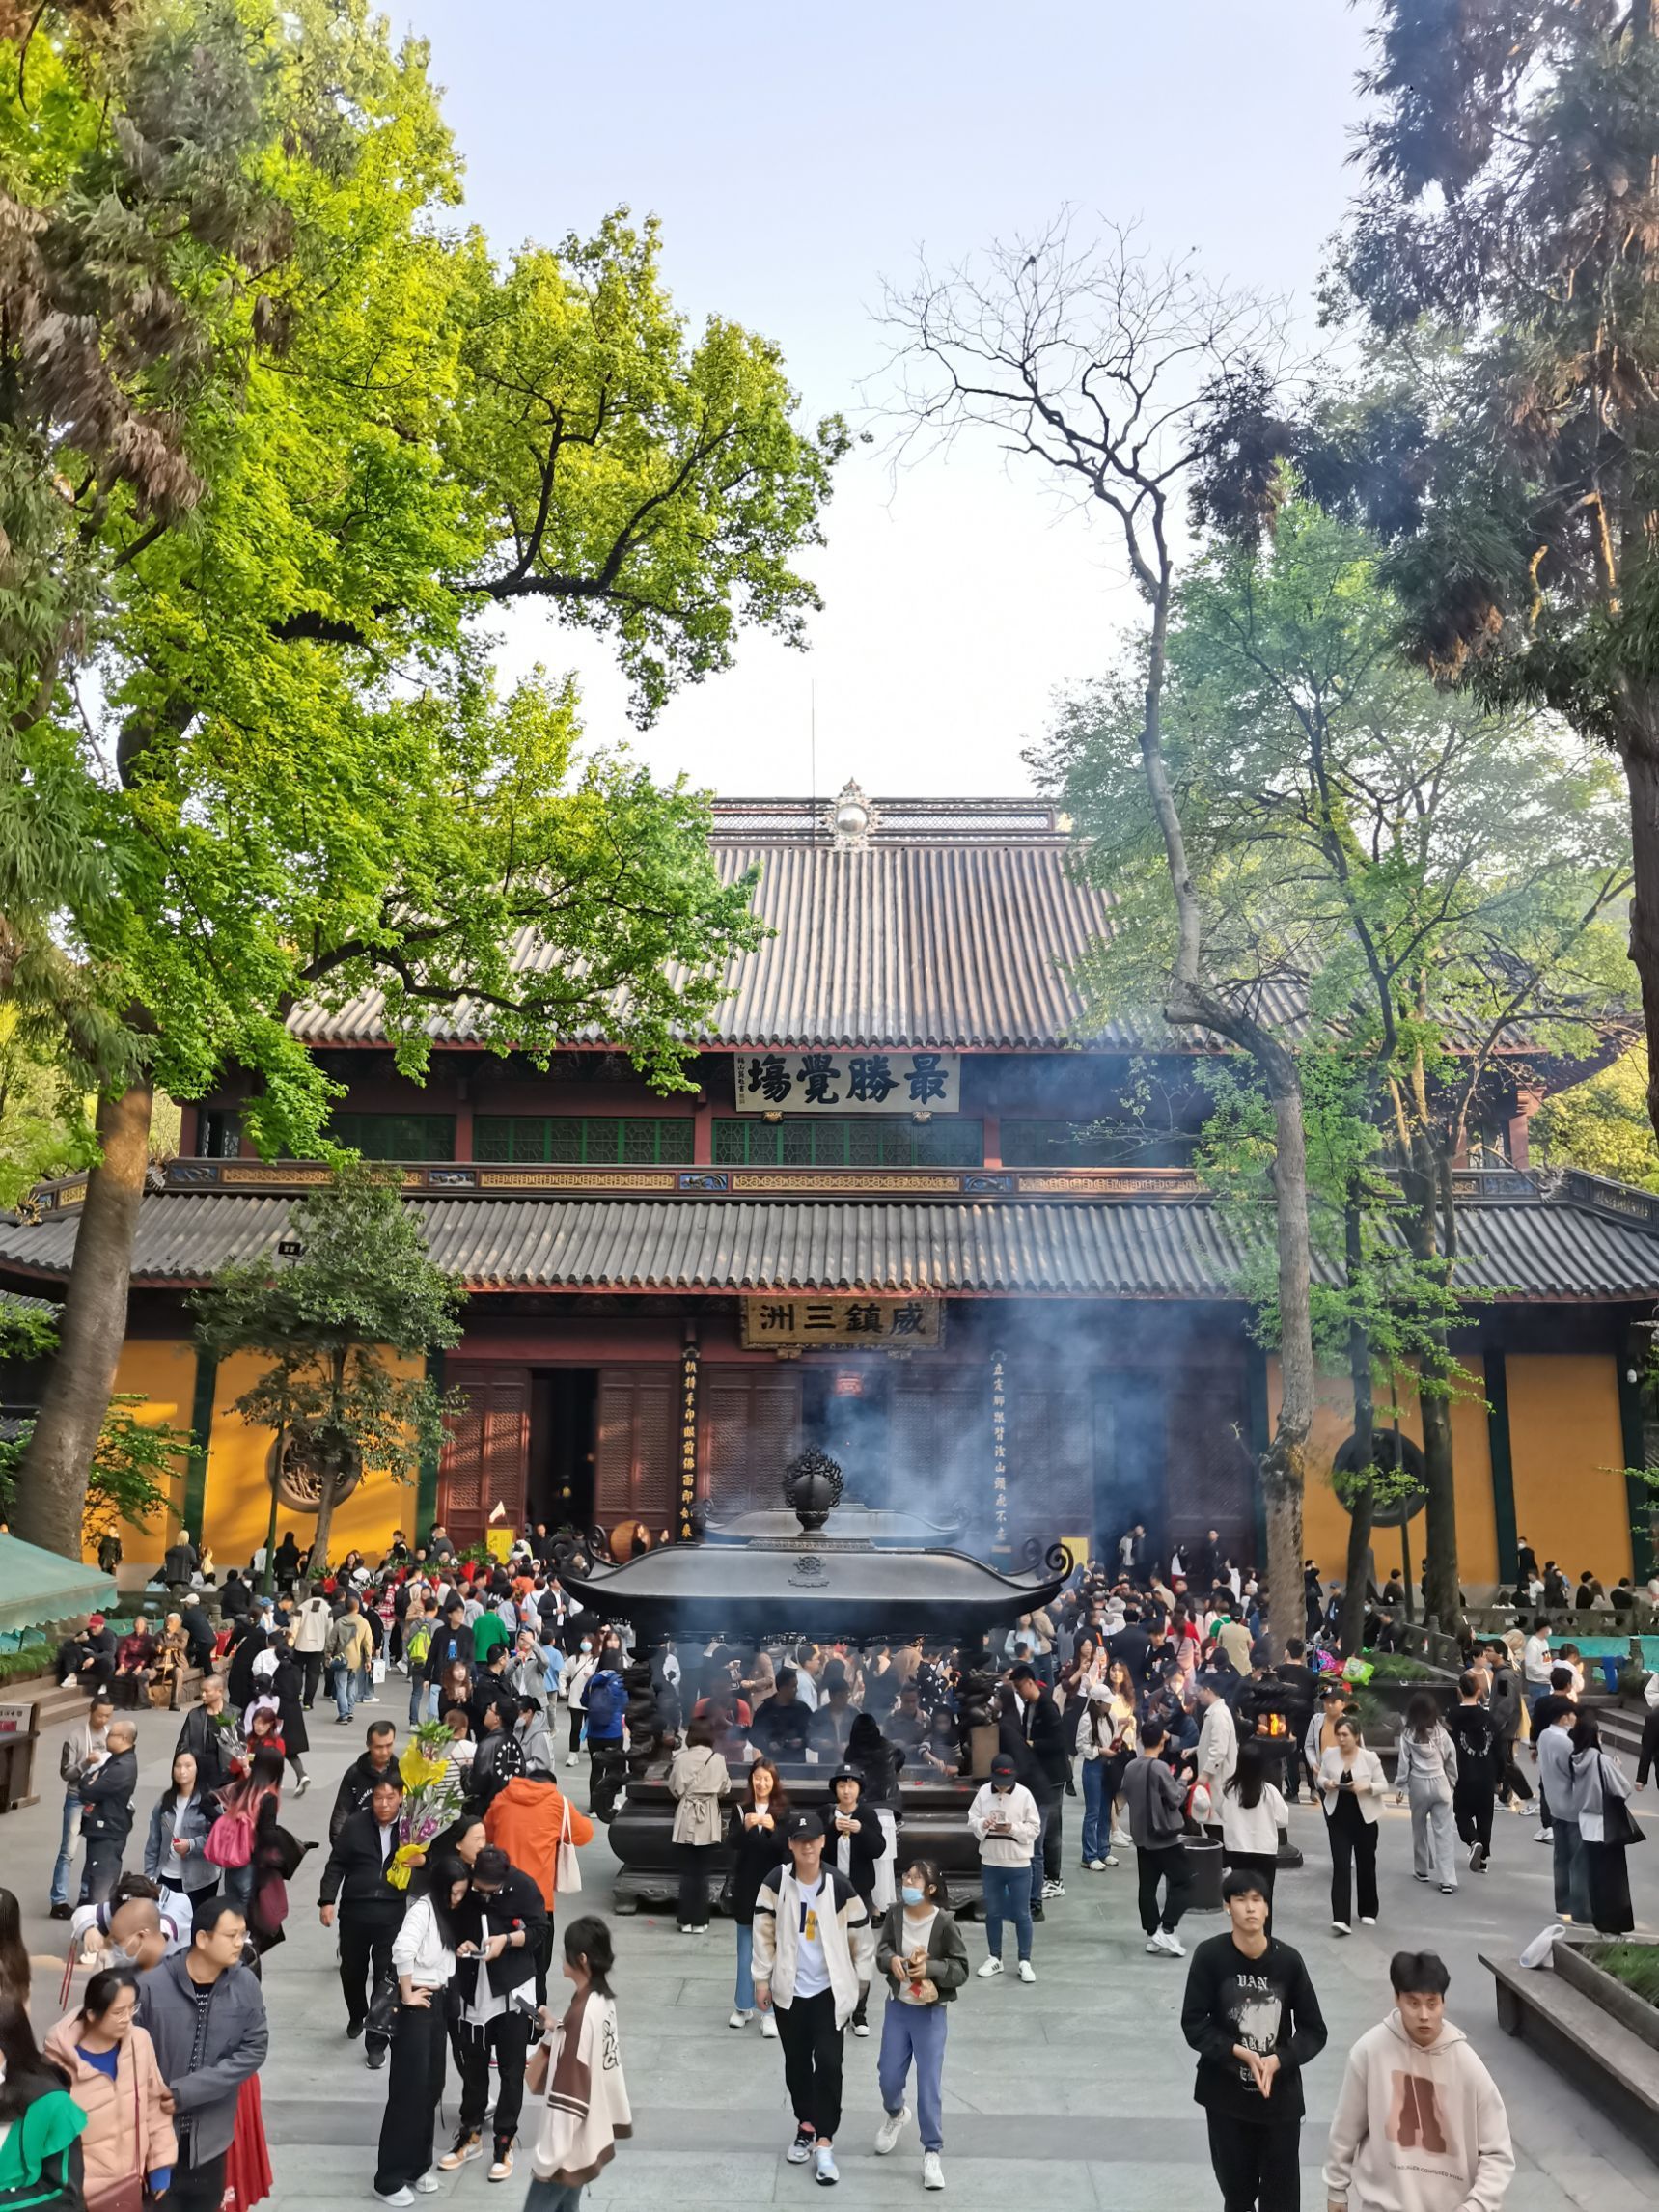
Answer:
(424, 1961)
(923, 1962)
(500, 1923)
(1006, 1823)
(1351, 1786)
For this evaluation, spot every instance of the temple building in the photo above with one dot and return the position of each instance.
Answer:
(915, 1210)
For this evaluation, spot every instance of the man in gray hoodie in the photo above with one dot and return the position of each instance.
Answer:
(1418, 2123)
(206, 2014)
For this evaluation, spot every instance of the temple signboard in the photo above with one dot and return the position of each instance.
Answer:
(799, 1082)
(793, 1324)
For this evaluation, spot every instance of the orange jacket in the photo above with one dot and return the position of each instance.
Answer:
(527, 1820)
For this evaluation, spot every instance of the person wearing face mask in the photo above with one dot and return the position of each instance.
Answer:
(577, 1680)
(923, 1962)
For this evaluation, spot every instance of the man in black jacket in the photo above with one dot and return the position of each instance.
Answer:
(1251, 2014)
(499, 1932)
(371, 1909)
(1301, 1695)
(450, 1642)
(357, 1783)
(235, 1599)
(1031, 1734)
(107, 1811)
(209, 1737)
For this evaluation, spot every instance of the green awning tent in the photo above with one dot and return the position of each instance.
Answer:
(37, 1586)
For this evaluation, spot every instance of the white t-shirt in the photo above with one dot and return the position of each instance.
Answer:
(812, 1966)
(917, 1935)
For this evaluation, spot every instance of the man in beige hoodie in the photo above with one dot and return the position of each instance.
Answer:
(1418, 2126)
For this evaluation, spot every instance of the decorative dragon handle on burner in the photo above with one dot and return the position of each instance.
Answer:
(1057, 1559)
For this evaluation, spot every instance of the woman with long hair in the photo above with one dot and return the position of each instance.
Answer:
(1600, 1787)
(14, 1969)
(128, 2145)
(40, 2124)
(258, 1798)
(697, 1781)
(1351, 1786)
(1095, 1739)
(173, 1857)
(423, 1960)
(1124, 1714)
(1252, 1812)
(756, 1834)
(585, 2104)
(1426, 1772)
(923, 1961)
(288, 1689)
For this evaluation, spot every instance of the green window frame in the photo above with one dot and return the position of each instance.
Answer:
(847, 1141)
(584, 1140)
(397, 1136)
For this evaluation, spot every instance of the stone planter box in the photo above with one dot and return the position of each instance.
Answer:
(1599, 2034)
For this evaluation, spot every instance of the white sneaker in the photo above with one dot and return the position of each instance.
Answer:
(825, 2170)
(1544, 1836)
(395, 2195)
(1122, 1841)
(739, 2018)
(1155, 1944)
(430, 2183)
(1025, 1971)
(1093, 1866)
(1341, 1928)
(860, 2027)
(887, 2135)
(1053, 1890)
(1172, 1944)
(932, 2170)
(571, 1761)
(768, 2028)
(989, 1967)
(1110, 1859)
(1368, 1920)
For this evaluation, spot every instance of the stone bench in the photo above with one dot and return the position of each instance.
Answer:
(1615, 2068)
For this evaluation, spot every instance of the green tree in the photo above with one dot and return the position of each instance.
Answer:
(299, 782)
(1501, 434)
(1383, 868)
(361, 1288)
(1602, 1125)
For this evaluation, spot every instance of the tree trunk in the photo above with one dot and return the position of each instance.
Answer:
(1362, 1505)
(1439, 1474)
(319, 1559)
(1641, 756)
(1285, 1464)
(52, 1482)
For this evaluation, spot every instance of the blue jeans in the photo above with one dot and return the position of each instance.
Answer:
(744, 2000)
(1008, 1898)
(914, 2032)
(1571, 1869)
(1097, 1812)
(239, 1887)
(343, 1686)
(552, 2196)
(66, 1860)
(418, 1700)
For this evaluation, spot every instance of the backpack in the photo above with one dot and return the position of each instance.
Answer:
(230, 1843)
(601, 1702)
(418, 1643)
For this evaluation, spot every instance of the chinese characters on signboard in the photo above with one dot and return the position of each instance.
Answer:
(687, 1438)
(799, 1082)
(801, 1324)
(999, 1458)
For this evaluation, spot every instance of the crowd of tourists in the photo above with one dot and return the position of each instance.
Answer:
(1137, 1715)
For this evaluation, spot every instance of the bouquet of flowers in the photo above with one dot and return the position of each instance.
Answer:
(432, 1797)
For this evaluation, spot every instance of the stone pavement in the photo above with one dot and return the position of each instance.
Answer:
(1079, 2087)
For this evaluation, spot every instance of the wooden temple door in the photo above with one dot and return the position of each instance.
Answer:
(486, 1451)
(939, 1463)
(749, 1428)
(636, 1448)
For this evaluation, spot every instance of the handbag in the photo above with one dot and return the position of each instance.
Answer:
(381, 2018)
(566, 1872)
(1619, 1824)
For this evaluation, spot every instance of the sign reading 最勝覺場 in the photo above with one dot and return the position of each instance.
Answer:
(799, 1324)
(799, 1082)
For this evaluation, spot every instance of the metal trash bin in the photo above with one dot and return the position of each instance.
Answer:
(18, 1737)
(1203, 1863)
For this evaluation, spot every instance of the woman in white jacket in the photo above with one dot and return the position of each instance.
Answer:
(424, 1961)
(1006, 1822)
(577, 1680)
(1252, 1814)
(1351, 1786)
(1426, 1773)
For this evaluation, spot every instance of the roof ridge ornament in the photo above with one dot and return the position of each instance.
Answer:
(852, 818)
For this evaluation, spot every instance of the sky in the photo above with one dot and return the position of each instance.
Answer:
(796, 157)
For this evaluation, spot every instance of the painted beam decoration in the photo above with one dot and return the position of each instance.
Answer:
(800, 1082)
(857, 1324)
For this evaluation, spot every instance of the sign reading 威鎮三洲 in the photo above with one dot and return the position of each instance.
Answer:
(799, 1082)
(799, 1324)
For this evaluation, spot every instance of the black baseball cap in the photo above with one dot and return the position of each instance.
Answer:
(1002, 1768)
(804, 1828)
